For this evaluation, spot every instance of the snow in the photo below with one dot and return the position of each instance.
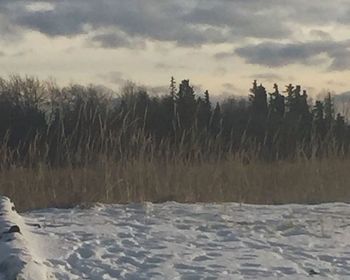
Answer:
(176, 241)
(199, 241)
(18, 259)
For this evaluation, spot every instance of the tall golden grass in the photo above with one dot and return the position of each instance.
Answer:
(148, 176)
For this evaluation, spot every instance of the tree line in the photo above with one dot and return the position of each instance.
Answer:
(40, 121)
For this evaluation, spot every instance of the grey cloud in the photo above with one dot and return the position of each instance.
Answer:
(269, 77)
(8, 31)
(53, 23)
(116, 40)
(151, 20)
(320, 34)
(120, 23)
(320, 13)
(188, 23)
(278, 54)
(223, 55)
(40, 6)
(239, 20)
(275, 54)
(340, 59)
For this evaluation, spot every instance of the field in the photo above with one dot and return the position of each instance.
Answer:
(197, 241)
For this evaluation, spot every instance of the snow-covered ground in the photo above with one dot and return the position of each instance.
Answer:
(201, 241)
(18, 257)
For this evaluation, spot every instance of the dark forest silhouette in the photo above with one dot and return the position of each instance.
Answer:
(60, 125)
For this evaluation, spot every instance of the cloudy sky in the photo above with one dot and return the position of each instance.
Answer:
(221, 45)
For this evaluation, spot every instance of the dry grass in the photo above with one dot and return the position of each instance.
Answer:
(302, 181)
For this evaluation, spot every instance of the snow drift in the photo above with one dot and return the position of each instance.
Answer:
(18, 259)
(176, 241)
(196, 241)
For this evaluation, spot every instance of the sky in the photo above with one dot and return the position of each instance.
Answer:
(220, 45)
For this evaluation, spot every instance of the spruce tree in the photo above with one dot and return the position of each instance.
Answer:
(259, 111)
(329, 112)
(203, 111)
(258, 99)
(277, 104)
(172, 87)
(318, 119)
(215, 121)
(185, 105)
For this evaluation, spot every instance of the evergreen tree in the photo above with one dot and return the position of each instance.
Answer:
(215, 121)
(277, 104)
(185, 105)
(304, 107)
(329, 112)
(318, 119)
(291, 102)
(172, 87)
(340, 131)
(258, 99)
(167, 118)
(203, 111)
(298, 116)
